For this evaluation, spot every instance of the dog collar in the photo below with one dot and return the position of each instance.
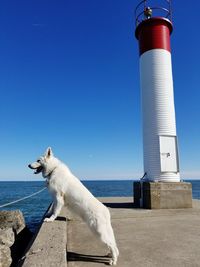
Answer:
(49, 174)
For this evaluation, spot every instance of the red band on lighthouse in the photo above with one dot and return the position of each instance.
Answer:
(154, 33)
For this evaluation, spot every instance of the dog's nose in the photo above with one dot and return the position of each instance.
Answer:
(29, 165)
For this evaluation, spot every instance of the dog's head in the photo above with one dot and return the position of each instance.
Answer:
(45, 164)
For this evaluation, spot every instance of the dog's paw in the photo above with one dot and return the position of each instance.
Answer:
(49, 219)
(112, 262)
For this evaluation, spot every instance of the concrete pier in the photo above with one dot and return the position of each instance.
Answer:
(48, 247)
(152, 238)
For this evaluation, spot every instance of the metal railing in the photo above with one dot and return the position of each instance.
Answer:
(144, 10)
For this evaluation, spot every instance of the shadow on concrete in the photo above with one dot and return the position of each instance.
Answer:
(73, 256)
(126, 205)
(60, 218)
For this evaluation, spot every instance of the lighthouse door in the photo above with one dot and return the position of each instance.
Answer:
(168, 154)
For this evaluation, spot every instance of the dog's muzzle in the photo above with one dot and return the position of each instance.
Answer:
(37, 169)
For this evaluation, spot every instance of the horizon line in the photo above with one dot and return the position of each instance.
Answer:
(93, 180)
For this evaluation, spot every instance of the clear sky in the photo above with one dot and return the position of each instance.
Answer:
(69, 79)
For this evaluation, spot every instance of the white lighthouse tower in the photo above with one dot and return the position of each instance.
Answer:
(161, 160)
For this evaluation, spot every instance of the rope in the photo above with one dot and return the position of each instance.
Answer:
(143, 176)
(18, 200)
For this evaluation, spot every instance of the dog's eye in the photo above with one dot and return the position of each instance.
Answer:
(38, 160)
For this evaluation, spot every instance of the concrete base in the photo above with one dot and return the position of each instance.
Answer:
(159, 195)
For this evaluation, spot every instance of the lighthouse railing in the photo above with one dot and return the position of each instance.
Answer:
(163, 11)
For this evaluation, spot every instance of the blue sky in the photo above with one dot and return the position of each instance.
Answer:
(69, 79)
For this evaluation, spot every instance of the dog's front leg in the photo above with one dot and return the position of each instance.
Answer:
(57, 206)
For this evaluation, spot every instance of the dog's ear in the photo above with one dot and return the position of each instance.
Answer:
(48, 152)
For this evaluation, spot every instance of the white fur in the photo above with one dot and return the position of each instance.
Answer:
(67, 189)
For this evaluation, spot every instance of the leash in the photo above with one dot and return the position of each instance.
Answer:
(23, 198)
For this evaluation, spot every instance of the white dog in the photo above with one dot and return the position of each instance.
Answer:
(67, 189)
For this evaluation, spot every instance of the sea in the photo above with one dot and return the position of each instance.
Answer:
(34, 208)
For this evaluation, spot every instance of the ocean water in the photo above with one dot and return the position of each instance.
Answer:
(34, 208)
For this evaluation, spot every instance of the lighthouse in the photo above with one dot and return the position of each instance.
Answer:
(160, 147)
